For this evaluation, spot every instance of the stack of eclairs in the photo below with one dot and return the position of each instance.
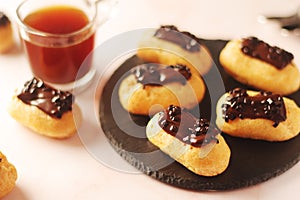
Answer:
(38, 106)
(170, 83)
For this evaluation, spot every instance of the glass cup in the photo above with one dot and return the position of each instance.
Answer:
(58, 37)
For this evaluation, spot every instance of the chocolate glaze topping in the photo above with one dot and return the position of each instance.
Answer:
(185, 39)
(157, 74)
(53, 102)
(264, 105)
(273, 55)
(187, 128)
(3, 19)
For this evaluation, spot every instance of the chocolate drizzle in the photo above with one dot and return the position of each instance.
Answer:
(3, 19)
(264, 105)
(187, 128)
(157, 74)
(53, 102)
(184, 39)
(275, 56)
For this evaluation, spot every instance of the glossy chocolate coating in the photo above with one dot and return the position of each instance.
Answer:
(264, 105)
(157, 74)
(3, 19)
(273, 55)
(184, 39)
(187, 128)
(53, 102)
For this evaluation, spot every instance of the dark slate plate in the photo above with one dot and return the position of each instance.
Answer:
(251, 161)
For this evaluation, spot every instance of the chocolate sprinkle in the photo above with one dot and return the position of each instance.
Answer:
(264, 105)
(3, 19)
(273, 55)
(185, 39)
(157, 74)
(187, 128)
(53, 102)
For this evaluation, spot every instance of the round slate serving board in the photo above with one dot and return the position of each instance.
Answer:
(252, 161)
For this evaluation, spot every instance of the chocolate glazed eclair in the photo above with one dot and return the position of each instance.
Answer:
(45, 110)
(254, 62)
(193, 142)
(170, 46)
(6, 33)
(258, 115)
(151, 87)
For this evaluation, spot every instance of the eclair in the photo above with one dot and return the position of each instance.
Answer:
(253, 62)
(6, 33)
(8, 176)
(193, 142)
(258, 115)
(167, 45)
(151, 87)
(45, 110)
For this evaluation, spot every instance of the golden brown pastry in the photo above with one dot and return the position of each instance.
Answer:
(150, 88)
(8, 176)
(45, 110)
(167, 45)
(192, 142)
(258, 115)
(6, 33)
(255, 63)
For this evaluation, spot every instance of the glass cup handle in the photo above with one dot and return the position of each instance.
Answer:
(106, 9)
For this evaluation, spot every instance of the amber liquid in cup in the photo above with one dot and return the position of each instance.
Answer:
(59, 64)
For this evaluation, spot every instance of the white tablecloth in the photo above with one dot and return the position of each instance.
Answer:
(54, 169)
